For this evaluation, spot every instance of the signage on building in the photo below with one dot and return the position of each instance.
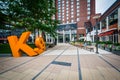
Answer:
(18, 45)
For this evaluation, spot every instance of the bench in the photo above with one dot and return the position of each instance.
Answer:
(81, 45)
(91, 48)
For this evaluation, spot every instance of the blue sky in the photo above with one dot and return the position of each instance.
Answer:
(103, 5)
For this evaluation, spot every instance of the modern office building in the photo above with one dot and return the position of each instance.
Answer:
(73, 15)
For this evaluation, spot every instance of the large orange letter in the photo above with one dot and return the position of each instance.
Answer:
(39, 42)
(17, 45)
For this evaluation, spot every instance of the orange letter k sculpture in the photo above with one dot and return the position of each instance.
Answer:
(17, 45)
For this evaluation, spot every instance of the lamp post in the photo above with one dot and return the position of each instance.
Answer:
(96, 18)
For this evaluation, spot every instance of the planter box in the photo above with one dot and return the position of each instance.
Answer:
(108, 49)
(116, 52)
(101, 46)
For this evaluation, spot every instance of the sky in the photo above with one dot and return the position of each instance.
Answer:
(103, 5)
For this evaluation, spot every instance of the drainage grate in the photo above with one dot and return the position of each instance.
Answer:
(61, 63)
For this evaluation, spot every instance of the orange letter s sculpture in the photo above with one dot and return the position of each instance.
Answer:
(39, 42)
(17, 45)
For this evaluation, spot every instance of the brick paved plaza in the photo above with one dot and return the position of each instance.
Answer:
(62, 62)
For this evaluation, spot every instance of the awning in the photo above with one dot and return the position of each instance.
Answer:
(106, 33)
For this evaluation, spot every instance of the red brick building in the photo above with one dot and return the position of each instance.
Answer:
(72, 15)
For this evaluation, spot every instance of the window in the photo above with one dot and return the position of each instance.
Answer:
(66, 8)
(77, 3)
(78, 7)
(66, 5)
(77, 19)
(58, 3)
(111, 38)
(59, 10)
(72, 20)
(66, 2)
(59, 18)
(78, 11)
(72, 16)
(88, 12)
(88, 17)
(63, 4)
(88, 5)
(103, 23)
(72, 13)
(98, 26)
(72, 9)
(88, 1)
(71, 3)
(63, 7)
(71, 6)
(58, 7)
(66, 14)
(113, 18)
(59, 14)
(67, 21)
(78, 14)
(63, 1)
(67, 18)
(88, 8)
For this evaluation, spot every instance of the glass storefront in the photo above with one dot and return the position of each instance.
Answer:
(67, 32)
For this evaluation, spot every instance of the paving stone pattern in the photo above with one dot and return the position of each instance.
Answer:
(62, 62)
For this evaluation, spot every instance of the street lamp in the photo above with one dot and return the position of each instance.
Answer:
(96, 18)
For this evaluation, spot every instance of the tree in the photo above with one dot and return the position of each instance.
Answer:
(31, 14)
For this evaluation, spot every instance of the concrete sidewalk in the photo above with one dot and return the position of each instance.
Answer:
(63, 62)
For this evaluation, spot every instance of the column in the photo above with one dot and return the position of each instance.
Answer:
(113, 38)
(93, 34)
(107, 23)
(32, 35)
(100, 29)
(70, 34)
(107, 27)
(63, 36)
(57, 36)
(100, 26)
(46, 37)
(51, 39)
(86, 34)
(119, 24)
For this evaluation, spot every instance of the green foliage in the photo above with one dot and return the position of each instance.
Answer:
(5, 48)
(82, 40)
(117, 47)
(30, 14)
(117, 44)
(104, 42)
(109, 45)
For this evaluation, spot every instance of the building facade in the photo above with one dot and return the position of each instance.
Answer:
(72, 15)
(109, 24)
